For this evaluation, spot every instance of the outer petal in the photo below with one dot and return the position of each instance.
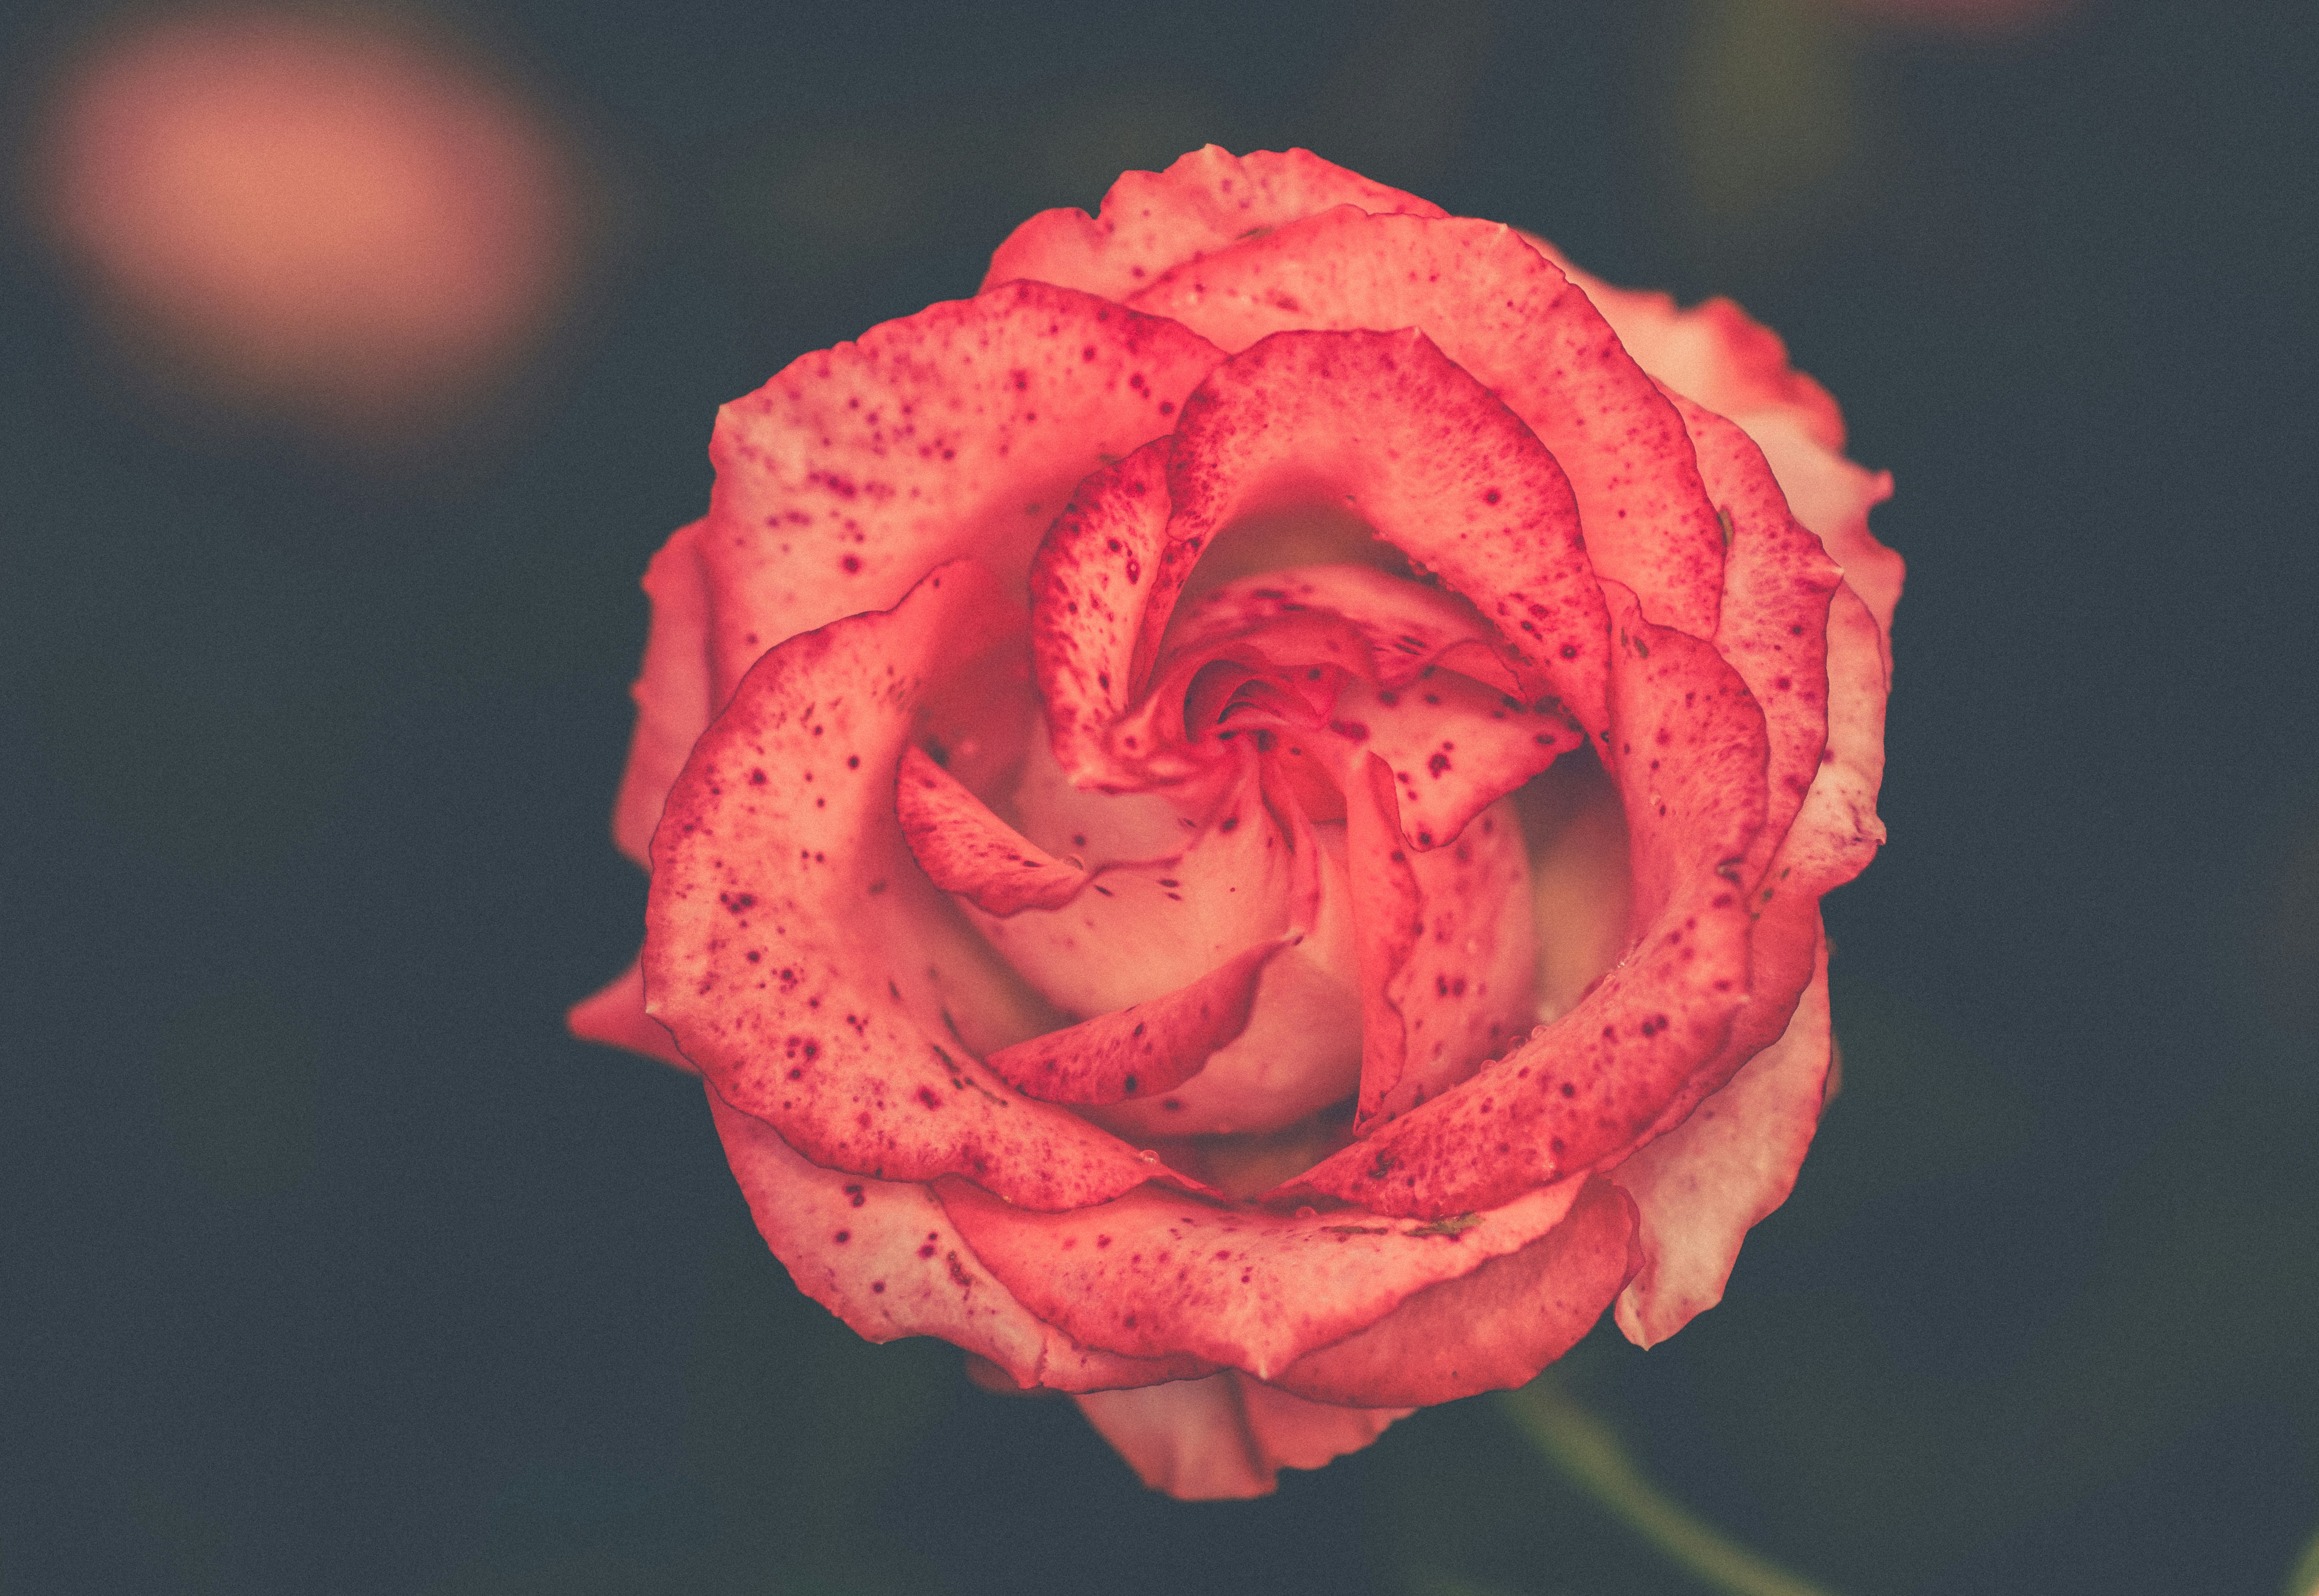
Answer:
(960, 430)
(798, 956)
(615, 1016)
(1145, 1049)
(1227, 1437)
(1492, 1329)
(1703, 1185)
(1154, 1272)
(672, 695)
(883, 1256)
(1507, 315)
(1836, 833)
(1435, 463)
(1736, 366)
(1772, 624)
(1689, 753)
(1152, 221)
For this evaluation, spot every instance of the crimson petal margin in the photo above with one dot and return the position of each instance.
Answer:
(1206, 200)
(802, 959)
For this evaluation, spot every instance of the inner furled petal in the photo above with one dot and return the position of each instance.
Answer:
(1145, 1049)
(969, 851)
(800, 958)
(1430, 458)
(1256, 869)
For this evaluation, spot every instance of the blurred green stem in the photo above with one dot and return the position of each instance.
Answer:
(1585, 1450)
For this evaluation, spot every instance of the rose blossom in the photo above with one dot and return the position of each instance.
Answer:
(1237, 822)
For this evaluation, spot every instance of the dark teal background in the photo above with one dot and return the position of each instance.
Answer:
(332, 1266)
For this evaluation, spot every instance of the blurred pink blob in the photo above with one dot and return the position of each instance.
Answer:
(314, 215)
(1962, 16)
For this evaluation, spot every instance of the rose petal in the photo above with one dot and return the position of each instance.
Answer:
(960, 430)
(1833, 497)
(967, 850)
(1838, 832)
(1155, 1272)
(1492, 1329)
(1720, 356)
(616, 1016)
(1145, 930)
(1454, 746)
(1442, 469)
(1714, 352)
(1408, 628)
(884, 1257)
(1772, 626)
(802, 960)
(1145, 1049)
(1689, 751)
(1190, 1439)
(1227, 1437)
(1508, 316)
(1152, 221)
(1703, 1185)
(672, 690)
(1291, 1432)
(1388, 917)
(1088, 597)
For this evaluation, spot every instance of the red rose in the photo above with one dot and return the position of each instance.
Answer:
(1240, 818)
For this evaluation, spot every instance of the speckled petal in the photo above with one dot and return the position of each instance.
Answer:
(800, 958)
(672, 690)
(965, 848)
(1385, 425)
(960, 430)
(1703, 1185)
(1145, 1049)
(1090, 597)
(884, 1257)
(1509, 316)
(1156, 1272)
(1492, 1329)
(1204, 201)
(1720, 356)
(1773, 625)
(1144, 930)
(1689, 753)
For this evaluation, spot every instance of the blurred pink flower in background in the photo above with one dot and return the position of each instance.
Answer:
(328, 217)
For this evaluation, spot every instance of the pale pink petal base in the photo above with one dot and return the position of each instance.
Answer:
(1702, 1186)
(1227, 1437)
